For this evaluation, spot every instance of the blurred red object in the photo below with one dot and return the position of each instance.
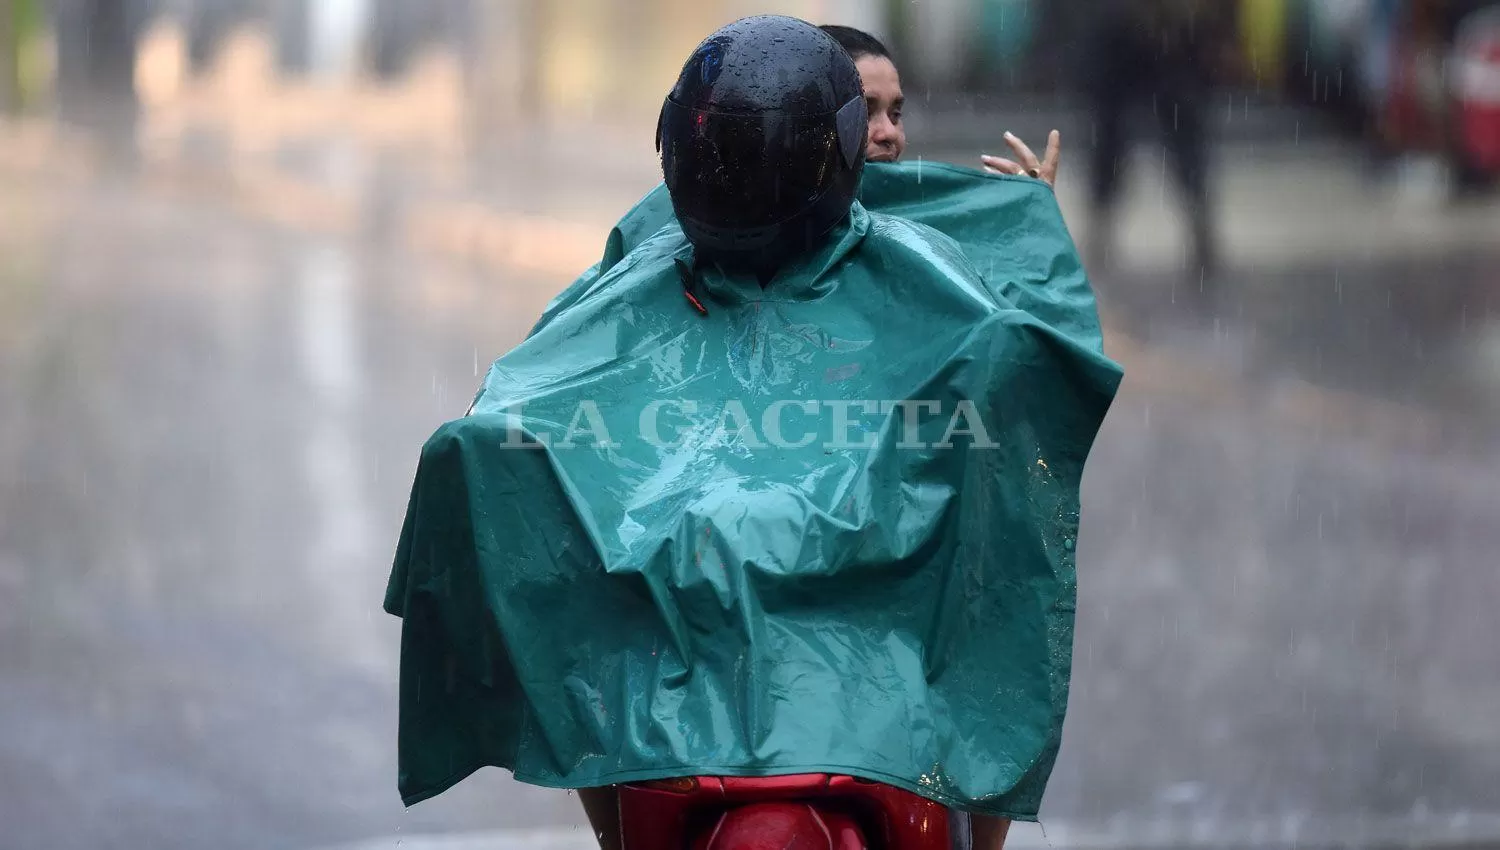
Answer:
(1414, 116)
(1476, 90)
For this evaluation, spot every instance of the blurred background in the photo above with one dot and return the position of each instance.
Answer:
(252, 252)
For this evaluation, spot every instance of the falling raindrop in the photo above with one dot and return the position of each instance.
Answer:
(1162, 185)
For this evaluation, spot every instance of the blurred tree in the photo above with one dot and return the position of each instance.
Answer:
(208, 23)
(1007, 32)
(395, 33)
(96, 54)
(898, 18)
(1263, 26)
(291, 21)
(20, 27)
(399, 30)
(10, 57)
(504, 67)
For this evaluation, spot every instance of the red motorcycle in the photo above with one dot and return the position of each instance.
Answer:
(811, 812)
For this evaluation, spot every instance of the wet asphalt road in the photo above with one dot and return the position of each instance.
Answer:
(208, 424)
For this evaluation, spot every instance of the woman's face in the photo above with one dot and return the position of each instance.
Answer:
(883, 98)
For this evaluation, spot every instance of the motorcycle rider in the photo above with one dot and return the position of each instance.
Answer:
(763, 141)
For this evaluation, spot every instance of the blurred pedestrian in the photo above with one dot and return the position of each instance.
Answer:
(10, 58)
(1166, 56)
(1377, 51)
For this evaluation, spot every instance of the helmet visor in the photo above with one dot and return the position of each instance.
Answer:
(747, 171)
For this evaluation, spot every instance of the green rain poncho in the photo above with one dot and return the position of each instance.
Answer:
(828, 526)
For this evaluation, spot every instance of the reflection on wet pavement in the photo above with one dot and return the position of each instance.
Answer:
(1405, 332)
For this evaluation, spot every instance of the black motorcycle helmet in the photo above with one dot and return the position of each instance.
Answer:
(762, 141)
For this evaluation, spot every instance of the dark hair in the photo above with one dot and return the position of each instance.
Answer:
(857, 43)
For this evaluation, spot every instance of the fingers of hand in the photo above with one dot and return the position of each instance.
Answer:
(1054, 152)
(998, 165)
(1023, 153)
